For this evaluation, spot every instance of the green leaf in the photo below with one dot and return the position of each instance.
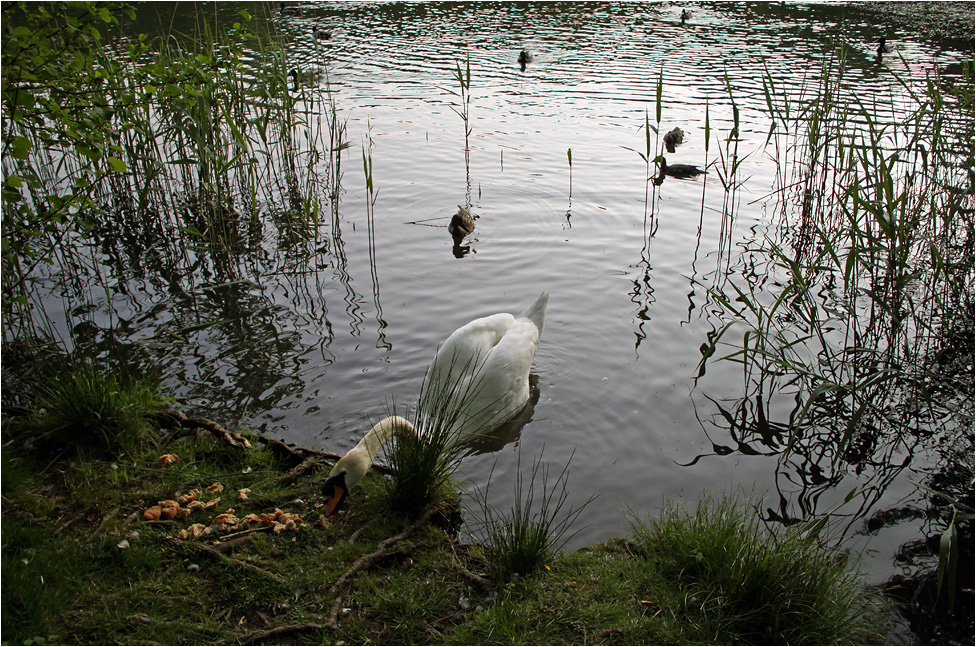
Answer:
(20, 147)
(660, 87)
(117, 165)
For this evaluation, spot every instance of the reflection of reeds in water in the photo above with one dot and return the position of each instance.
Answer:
(371, 235)
(202, 159)
(875, 272)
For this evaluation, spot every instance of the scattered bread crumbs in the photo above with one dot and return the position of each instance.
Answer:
(167, 459)
(192, 495)
(242, 494)
(216, 488)
(194, 531)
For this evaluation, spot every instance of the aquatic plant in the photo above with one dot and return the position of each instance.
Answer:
(184, 138)
(863, 319)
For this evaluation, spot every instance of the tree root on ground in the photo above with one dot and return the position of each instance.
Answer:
(210, 550)
(260, 636)
(384, 549)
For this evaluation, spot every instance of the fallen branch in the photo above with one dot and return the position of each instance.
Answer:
(384, 549)
(310, 464)
(174, 418)
(210, 550)
(261, 636)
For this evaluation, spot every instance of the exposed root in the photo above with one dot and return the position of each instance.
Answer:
(308, 465)
(384, 549)
(210, 550)
(261, 636)
(174, 418)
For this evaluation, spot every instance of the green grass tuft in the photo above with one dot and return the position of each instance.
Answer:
(531, 533)
(86, 410)
(741, 583)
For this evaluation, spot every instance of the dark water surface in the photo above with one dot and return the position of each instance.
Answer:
(313, 351)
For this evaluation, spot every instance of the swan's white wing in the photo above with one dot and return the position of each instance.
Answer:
(503, 386)
(448, 384)
(480, 375)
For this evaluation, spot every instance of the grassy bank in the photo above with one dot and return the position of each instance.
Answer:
(194, 534)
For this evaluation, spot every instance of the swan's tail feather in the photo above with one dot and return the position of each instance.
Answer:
(536, 313)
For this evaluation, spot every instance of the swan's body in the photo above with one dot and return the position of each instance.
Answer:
(682, 171)
(462, 223)
(479, 378)
(351, 468)
(673, 138)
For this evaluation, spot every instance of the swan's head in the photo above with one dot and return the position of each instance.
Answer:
(346, 473)
(351, 468)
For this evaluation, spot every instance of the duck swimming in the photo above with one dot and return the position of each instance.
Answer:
(462, 224)
(680, 171)
(289, 11)
(673, 138)
(523, 58)
(319, 34)
(882, 48)
(306, 77)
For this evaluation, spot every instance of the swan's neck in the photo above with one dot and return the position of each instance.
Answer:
(381, 432)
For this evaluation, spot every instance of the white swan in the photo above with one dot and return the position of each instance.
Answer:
(351, 468)
(479, 378)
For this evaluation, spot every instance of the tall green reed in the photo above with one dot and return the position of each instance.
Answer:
(872, 258)
(187, 150)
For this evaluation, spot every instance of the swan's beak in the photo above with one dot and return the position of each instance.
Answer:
(335, 491)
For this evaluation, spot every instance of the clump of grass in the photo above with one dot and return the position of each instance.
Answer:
(421, 467)
(531, 533)
(422, 463)
(87, 410)
(744, 584)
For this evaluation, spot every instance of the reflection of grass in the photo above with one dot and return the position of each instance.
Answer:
(742, 585)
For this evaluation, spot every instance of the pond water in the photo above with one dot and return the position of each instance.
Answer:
(313, 353)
